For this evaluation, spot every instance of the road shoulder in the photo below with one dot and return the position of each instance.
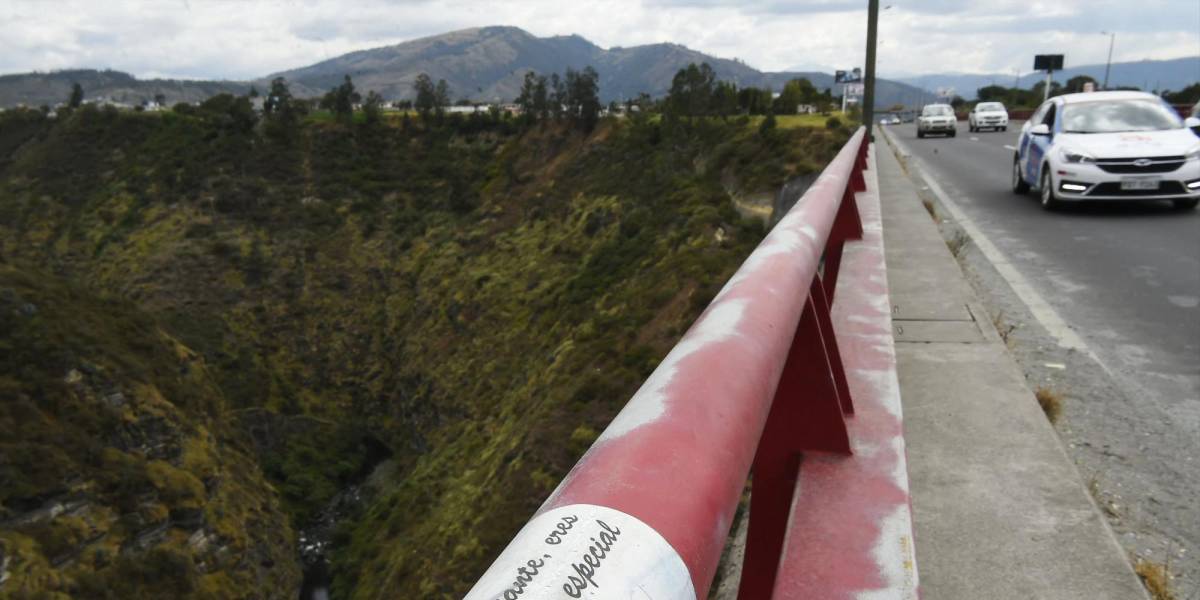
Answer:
(1000, 510)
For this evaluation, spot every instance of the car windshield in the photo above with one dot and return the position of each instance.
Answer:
(1117, 116)
(990, 107)
(937, 111)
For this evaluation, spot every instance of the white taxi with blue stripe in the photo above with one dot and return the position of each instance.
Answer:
(1107, 146)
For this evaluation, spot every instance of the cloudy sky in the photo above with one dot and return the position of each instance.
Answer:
(240, 39)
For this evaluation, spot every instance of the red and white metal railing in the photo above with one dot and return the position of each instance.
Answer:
(757, 381)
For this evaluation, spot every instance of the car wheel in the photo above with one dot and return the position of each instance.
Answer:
(1186, 204)
(1049, 200)
(952, 133)
(1005, 128)
(920, 134)
(1018, 183)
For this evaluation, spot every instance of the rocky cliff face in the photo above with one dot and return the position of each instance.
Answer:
(119, 475)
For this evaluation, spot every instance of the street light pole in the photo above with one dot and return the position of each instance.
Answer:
(868, 109)
(1111, 40)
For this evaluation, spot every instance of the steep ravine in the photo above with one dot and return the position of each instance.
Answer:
(476, 298)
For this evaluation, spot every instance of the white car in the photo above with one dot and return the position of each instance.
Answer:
(937, 118)
(1107, 146)
(988, 115)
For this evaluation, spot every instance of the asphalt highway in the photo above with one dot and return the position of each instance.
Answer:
(1125, 279)
(1121, 274)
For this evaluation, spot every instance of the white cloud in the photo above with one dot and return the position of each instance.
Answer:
(251, 38)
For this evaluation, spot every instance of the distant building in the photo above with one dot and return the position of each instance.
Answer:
(482, 108)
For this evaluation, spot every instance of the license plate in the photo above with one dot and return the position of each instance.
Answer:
(1139, 184)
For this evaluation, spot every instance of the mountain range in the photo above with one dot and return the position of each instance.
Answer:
(36, 89)
(483, 64)
(1173, 74)
(489, 64)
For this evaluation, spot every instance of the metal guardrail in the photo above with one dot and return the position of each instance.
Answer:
(757, 380)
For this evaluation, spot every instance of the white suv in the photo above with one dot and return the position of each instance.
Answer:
(937, 118)
(988, 115)
(1107, 146)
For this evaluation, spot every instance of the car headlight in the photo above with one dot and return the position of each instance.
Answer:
(1074, 156)
(1193, 154)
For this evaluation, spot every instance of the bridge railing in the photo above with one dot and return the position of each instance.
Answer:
(756, 381)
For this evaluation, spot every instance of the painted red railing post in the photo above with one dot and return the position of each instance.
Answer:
(847, 225)
(806, 415)
(821, 308)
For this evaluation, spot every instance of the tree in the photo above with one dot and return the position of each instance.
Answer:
(754, 101)
(279, 99)
(691, 91)
(557, 95)
(541, 99)
(639, 108)
(341, 100)
(1075, 84)
(76, 95)
(583, 97)
(441, 94)
(1039, 89)
(1188, 95)
(533, 100)
(725, 99)
(234, 113)
(372, 107)
(253, 91)
(795, 92)
(767, 127)
(426, 94)
(992, 93)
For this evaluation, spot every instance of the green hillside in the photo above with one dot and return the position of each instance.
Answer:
(119, 475)
(469, 299)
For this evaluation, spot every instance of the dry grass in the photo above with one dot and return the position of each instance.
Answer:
(813, 120)
(1051, 402)
(958, 243)
(1156, 577)
(932, 210)
(1004, 328)
(1093, 487)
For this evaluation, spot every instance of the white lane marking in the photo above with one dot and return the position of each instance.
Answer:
(974, 139)
(1008, 147)
(1184, 301)
(1042, 311)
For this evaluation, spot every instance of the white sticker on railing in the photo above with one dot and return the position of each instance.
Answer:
(586, 551)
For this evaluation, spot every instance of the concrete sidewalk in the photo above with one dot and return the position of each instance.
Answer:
(1000, 512)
